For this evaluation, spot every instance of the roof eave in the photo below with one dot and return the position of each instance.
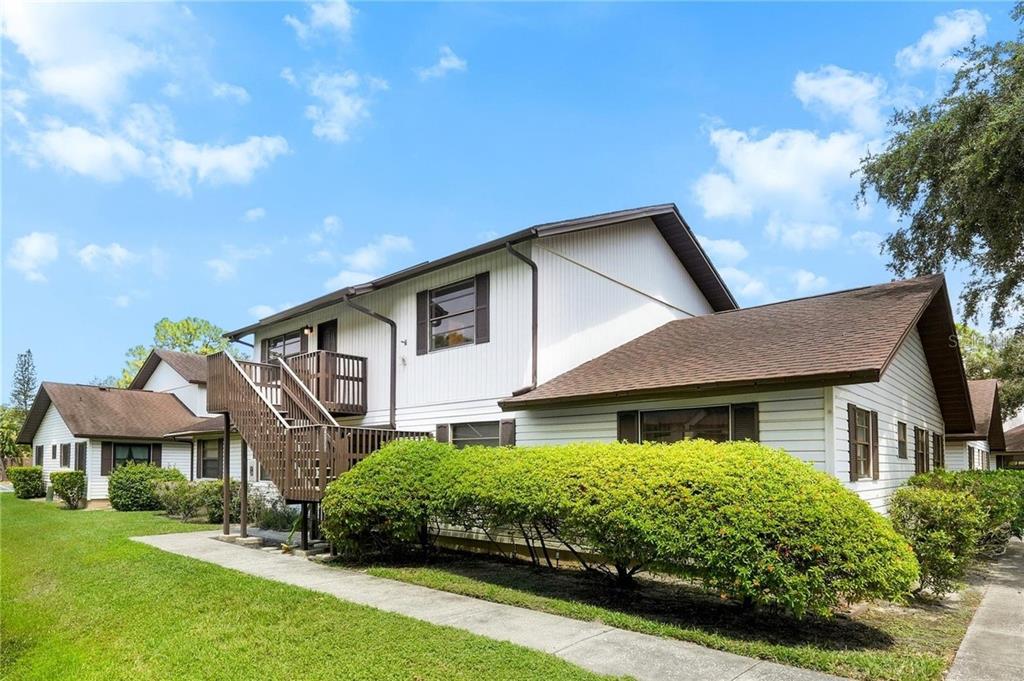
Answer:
(712, 389)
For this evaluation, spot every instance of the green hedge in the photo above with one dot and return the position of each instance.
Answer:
(944, 528)
(27, 481)
(132, 487)
(386, 501)
(751, 523)
(1000, 495)
(69, 486)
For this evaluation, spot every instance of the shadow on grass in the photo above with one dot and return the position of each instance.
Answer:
(660, 600)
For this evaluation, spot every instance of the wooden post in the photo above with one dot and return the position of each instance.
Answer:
(304, 539)
(227, 473)
(243, 516)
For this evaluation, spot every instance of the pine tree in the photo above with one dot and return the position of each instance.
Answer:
(25, 383)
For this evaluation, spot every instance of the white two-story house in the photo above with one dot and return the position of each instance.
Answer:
(614, 326)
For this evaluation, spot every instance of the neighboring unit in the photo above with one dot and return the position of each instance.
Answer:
(1013, 457)
(978, 450)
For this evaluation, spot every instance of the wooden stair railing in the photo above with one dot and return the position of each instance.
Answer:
(300, 458)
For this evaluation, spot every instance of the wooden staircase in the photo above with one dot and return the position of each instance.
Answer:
(289, 431)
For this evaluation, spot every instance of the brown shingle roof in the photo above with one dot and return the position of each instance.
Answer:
(845, 337)
(203, 424)
(1015, 440)
(192, 367)
(92, 411)
(988, 419)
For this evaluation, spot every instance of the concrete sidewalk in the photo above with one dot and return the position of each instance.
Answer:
(590, 645)
(993, 648)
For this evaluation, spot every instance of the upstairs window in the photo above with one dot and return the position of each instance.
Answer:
(284, 346)
(453, 315)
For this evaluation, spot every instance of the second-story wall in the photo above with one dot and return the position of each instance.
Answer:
(598, 289)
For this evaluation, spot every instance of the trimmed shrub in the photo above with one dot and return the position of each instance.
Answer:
(944, 528)
(27, 481)
(209, 496)
(132, 487)
(385, 502)
(179, 499)
(752, 523)
(1000, 495)
(69, 486)
(276, 515)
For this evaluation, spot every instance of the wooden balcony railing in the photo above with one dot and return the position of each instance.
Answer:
(303, 452)
(336, 379)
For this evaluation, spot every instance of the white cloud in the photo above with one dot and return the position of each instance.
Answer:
(96, 257)
(171, 90)
(747, 286)
(226, 267)
(145, 146)
(446, 62)
(348, 278)
(808, 282)
(936, 47)
(254, 214)
(335, 16)
(858, 97)
(32, 252)
(262, 311)
(373, 255)
(122, 300)
(229, 91)
(793, 170)
(341, 106)
(867, 241)
(105, 157)
(289, 76)
(87, 54)
(802, 236)
(724, 251)
(330, 225)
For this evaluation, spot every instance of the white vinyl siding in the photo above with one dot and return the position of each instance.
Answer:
(956, 455)
(53, 431)
(905, 393)
(793, 420)
(165, 379)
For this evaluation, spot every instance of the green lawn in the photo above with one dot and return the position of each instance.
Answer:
(873, 641)
(78, 600)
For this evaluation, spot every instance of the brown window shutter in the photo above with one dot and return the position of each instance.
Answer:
(745, 424)
(441, 433)
(303, 342)
(483, 307)
(53, 452)
(200, 447)
(851, 415)
(265, 350)
(106, 457)
(507, 433)
(628, 426)
(65, 455)
(874, 446)
(80, 451)
(156, 453)
(39, 455)
(927, 439)
(422, 322)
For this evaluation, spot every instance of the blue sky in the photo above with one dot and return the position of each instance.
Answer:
(226, 160)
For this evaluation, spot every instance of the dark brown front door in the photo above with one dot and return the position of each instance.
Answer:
(327, 336)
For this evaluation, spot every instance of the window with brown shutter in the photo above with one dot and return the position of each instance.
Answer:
(507, 433)
(745, 424)
(211, 458)
(863, 452)
(901, 440)
(628, 426)
(81, 448)
(156, 455)
(106, 458)
(441, 433)
(453, 315)
(970, 458)
(53, 452)
(938, 451)
(876, 469)
(65, 455)
(920, 450)
(482, 433)
(39, 455)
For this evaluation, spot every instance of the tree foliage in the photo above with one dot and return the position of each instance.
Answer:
(954, 172)
(11, 420)
(998, 355)
(24, 383)
(190, 334)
